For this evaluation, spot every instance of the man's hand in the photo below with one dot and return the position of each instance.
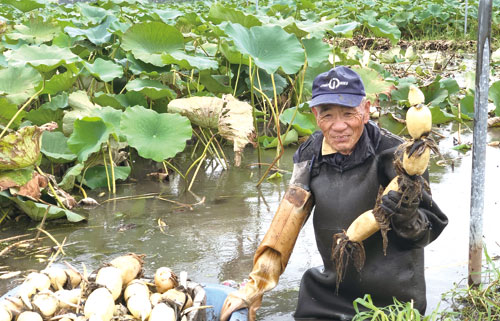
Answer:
(404, 211)
(234, 302)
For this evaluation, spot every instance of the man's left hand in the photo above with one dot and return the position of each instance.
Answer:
(394, 205)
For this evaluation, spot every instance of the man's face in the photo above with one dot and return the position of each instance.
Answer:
(342, 126)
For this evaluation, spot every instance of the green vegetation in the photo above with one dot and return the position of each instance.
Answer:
(110, 75)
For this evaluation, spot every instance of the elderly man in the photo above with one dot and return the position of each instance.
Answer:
(338, 171)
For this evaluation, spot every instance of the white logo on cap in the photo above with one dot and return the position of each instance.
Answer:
(334, 83)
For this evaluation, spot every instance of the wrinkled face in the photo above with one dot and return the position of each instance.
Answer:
(342, 126)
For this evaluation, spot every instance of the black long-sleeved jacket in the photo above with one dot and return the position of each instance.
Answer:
(343, 188)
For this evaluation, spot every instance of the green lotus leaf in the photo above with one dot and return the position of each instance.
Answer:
(129, 99)
(266, 84)
(118, 28)
(88, 135)
(450, 85)
(35, 30)
(151, 88)
(36, 211)
(303, 123)
(220, 12)
(169, 15)
(15, 178)
(68, 181)
(55, 148)
(81, 107)
(434, 93)
(401, 93)
(3, 61)
(346, 29)
(111, 118)
(57, 102)
(271, 142)
(21, 148)
(95, 177)
(440, 116)
(317, 51)
(303, 28)
(148, 40)
(374, 83)
(382, 28)
(105, 70)
(267, 45)
(18, 83)
(186, 61)
(467, 106)
(43, 58)
(155, 136)
(25, 5)
(94, 14)
(98, 35)
(138, 67)
(494, 94)
(389, 122)
(41, 116)
(7, 111)
(58, 83)
(218, 84)
(232, 54)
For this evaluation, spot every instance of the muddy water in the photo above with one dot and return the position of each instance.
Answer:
(215, 240)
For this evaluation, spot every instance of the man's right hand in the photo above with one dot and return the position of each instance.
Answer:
(234, 302)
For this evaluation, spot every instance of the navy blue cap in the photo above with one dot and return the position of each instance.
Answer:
(339, 86)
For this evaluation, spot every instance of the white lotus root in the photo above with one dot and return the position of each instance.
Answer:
(111, 278)
(165, 279)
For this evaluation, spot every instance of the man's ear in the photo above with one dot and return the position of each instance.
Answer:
(366, 111)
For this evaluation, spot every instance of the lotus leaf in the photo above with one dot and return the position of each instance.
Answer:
(138, 67)
(58, 83)
(81, 107)
(88, 135)
(264, 83)
(382, 28)
(148, 40)
(272, 142)
(304, 28)
(7, 111)
(21, 148)
(215, 83)
(18, 83)
(129, 99)
(374, 83)
(3, 61)
(434, 93)
(450, 85)
(94, 14)
(68, 181)
(303, 123)
(15, 178)
(36, 31)
(317, 51)
(43, 58)
(232, 54)
(98, 35)
(346, 29)
(155, 136)
(220, 12)
(40, 116)
(168, 15)
(440, 116)
(201, 111)
(236, 125)
(389, 122)
(57, 102)
(105, 70)
(55, 147)
(25, 5)
(95, 177)
(189, 62)
(467, 106)
(36, 211)
(111, 118)
(494, 94)
(150, 88)
(266, 45)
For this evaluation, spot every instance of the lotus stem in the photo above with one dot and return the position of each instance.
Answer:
(106, 169)
(221, 150)
(21, 109)
(42, 223)
(175, 169)
(4, 215)
(83, 191)
(112, 168)
(51, 188)
(196, 171)
(199, 158)
(255, 124)
(237, 79)
(53, 239)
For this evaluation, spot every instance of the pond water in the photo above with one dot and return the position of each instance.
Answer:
(216, 240)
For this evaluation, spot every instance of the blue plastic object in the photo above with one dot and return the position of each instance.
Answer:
(216, 294)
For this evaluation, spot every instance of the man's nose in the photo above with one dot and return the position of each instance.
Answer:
(338, 124)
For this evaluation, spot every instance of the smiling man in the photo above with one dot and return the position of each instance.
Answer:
(338, 172)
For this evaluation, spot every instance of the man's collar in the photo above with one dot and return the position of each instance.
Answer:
(326, 149)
